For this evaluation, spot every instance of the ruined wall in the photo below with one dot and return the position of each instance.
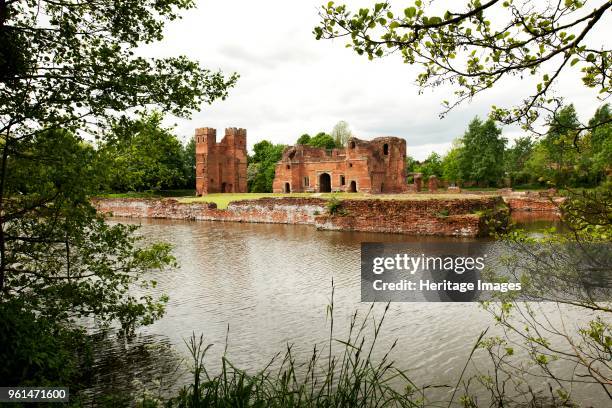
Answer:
(275, 211)
(534, 203)
(415, 217)
(366, 166)
(221, 167)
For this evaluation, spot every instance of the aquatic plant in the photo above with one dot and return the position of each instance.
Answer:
(347, 377)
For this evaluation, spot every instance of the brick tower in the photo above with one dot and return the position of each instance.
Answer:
(221, 167)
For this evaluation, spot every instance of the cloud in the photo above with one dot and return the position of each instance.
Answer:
(290, 83)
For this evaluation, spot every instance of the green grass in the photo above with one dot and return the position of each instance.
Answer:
(223, 199)
(476, 188)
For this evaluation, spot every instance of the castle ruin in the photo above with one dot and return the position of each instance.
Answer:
(221, 167)
(375, 166)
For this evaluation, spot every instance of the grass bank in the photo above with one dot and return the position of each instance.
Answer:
(223, 199)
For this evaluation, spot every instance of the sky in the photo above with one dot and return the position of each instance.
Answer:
(291, 84)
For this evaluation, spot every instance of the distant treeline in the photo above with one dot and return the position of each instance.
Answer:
(143, 155)
(563, 156)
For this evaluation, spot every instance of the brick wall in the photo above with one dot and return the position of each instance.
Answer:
(372, 166)
(416, 217)
(220, 167)
(534, 203)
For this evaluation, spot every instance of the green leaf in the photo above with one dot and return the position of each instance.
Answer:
(410, 12)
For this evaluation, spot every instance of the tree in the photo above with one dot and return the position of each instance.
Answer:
(323, 140)
(515, 159)
(560, 142)
(144, 155)
(411, 164)
(538, 167)
(189, 163)
(601, 142)
(432, 166)
(262, 166)
(62, 260)
(482, 157)
(304, 139)
(341, 133)
(473, 51)
(68, 69)
(451, 164)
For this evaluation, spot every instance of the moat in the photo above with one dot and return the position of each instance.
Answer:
(269, 284)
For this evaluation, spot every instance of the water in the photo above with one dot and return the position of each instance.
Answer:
(270, 284)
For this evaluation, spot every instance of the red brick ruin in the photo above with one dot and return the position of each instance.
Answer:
(432, 184)
(221, 167)
(375, 166)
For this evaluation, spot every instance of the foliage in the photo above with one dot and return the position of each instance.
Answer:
(478, 46)
(559, 144)
(334, 207)
(323, 140)
(482, 156)
(74, 65)
(411, 164)
(145, 156)
(262, 165)
(572, 269)
(37, 352)
(304, 139)
(188, 162)
(600, 141)
(477, 157)
(451, 165)
(341, 133)
(68, 69)
(61, 260)
(515, 159)
(432, 166)
(563, 157)
(589, 213)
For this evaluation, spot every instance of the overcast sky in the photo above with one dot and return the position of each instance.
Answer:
(291, 84)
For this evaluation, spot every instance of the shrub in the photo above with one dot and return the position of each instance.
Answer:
(334, 207)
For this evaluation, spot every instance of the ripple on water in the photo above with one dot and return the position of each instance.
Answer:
(271, 284)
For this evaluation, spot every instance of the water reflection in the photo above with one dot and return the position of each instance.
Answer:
(270, 285)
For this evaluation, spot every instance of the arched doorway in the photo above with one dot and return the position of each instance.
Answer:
(223, 187)
(353, 187)
(324, 183)
(287, 188)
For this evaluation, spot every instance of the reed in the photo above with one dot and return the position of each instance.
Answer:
(342, 373)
